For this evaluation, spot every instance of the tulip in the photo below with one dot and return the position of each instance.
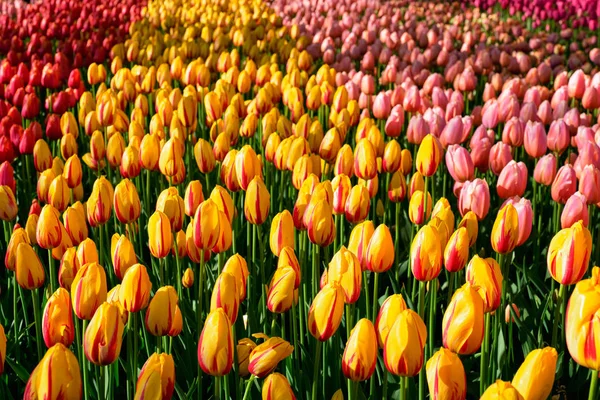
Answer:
(88, 290)
(326, 310)
(456, 251)
(380, 252)
(486, 276)
(564, 184)
(403, 351)
(365, 166)
(276, 386)
(535, 377)
(501, 390)
(569, 254)
(160, 235)
(99, 204)
(193, 197)
(244, 348)
(282, 232)
(558, 136)
(157, 377)
(215, 346)
(360, 354)
(459, 163)
(224, 202)
(463, 323)
(429, 155)
(589, 184)
(247, 166)
(74, 222)
(134, 294)
(446, 376)
(265, 357)
(342, 187)
(49, 233)
(426, 254)
(150, 152)
(535, 140)
(344, 162)
(18, 236)
(127, 202)
(104, 335)
(419, 207)
(280, 296)
(206, 225)
(56, 376)
(122, 254)
(87, 252)
(525, 217)
(505, 231)
(345, 269)
(321, 226)
(388, 313)
(69, 265)
(57, 319)
(160, 313)
(575, 210)
(357, 204)
(581, 326)
(29, 270)
(225, 295)
(257, 202)
(512, 180)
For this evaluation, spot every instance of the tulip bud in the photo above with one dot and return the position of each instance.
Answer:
(282, 232)
(501, 390)
(357, 204)
(345, 269)
(127, 202)
(134, 293)
(193, 198)
(56, 376)
(29, 270)
(535, 377)
(88, 290)
(265, 357)
(320, 226)
(257, 202)
(365, 165)
(485, 275)
(99, 204)
(225, 295)
(426, 254)
(505, 231)
(417, 213)
(123, 254)
(463, 322)
(18, 236)
(160, 235)
(160, 313)
(74, 222)
(342, 187)
(380, 252)
(576, 209)
(564, 185)
(57, 320)
(72, 172)
(49, 233)
(429, 155)
(206, 225)
(446, 376)
(360, 238)
(157, 377)
(104, 335)
(326, 312)
(569, 254)
(403, 351)
(388, 313)
(276, 386)
(360, 354)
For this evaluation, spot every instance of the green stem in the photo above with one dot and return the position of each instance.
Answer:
(51, 272)
(38, 323)
(375, 296)
(15, 319)
(484, 356)
(217, 387)
(557, 314)
(84, 366)
(226, 387)
(385, 383)
(316, 369)
(248, 385)
(422, 315)
(432, 312)
(593, 385)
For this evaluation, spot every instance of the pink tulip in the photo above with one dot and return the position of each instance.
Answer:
(514, 132)
(381, 106)
(589, 153)
(490, 114)
(459, 163)
(535, 140)
(591, 98)
(417, 130)
(412, 100)
(576, 85)
(589, 184)
(564, 185)
(576, 209)
(558, 136)
(545, 112)
(395, 122)
(525, 215)
(545, 170)
(512, 180)
(452, 133)
(500, 156)
(475, 196)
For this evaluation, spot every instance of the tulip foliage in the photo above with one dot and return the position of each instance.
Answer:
(260, 199)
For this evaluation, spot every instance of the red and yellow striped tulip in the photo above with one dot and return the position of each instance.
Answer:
(403, 351)
(535, 377)
(277, 387)
(160, 313)
(215, 347)
(171, 204)
(127, 202)
(569, 254)
(463, 323)
(429, 155)
(57, 320)
(265, 357)
(485, 275)
(282, 232)
(380, 252)
(505, 231)
(49, 232)
(345, 269)
(88, 290)
(224, 295)
(446, 376)
(360, 355)
(29, 270)
(160, 235)
(156, 378)
(426, 254)
(244, 348)
(56, 376)
(134, 294)
(257, 202)
(359, 241)
(326, 310)
(104, 335)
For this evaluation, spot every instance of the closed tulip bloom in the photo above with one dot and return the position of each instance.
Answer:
(29, 270)
(206, 225)
(559, 137)
(344, 161)
(282, 232)
(75, 224)
(535, 377)
(236, 265)
(134, 294)
(257, 202)
(18, 236)
(365, 165)
(56, 376)
(280, 296)
(589, 184)
(501, 390)
(358, 204)
(345, 269)
(99, 204)
(49, 232)
(104, 335)
(225, 295)
(193, 198)
(391, 308)
(171, 204)
(456, 251)
(417, 211)
(326, 312)
(581, 322)
(545, 170)
(122, 254)
(380, 252)
(512, 180)
(426, 254)
(277, 387)
(446, 376)
(397, 189)
(360, 354)
(525, 216)
(475, 196)
(321, 226)
(459, 163)
(57, 320)
(569, 254)
(485, 275)
(265, 357)
(244, 348)
(470, 222)
(160, 313)
(225, 234)
(205, 158)
(42, 156)
(69, 265)
(247, 166)
(463, 322)
(429, 155)
(87, 252)
(127, 202)
(403, 351)
(576, 209)
(224, 202)
(341, 186)
(170, 160)
(535, 140)
(150, 152)
(88, 290)
(505, 232)
(391, 157)
(359, 241)
(564, 184)
(156, 378)
(160, 235)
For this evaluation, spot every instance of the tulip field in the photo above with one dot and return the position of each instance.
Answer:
(299, 199)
